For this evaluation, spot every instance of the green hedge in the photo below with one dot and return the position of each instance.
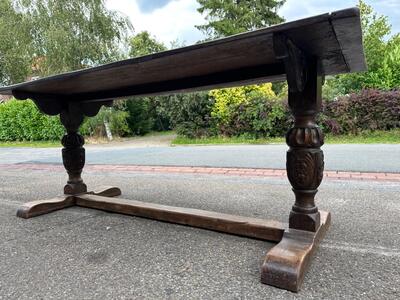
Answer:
(367, 110)
(193, 116)
(22, 121)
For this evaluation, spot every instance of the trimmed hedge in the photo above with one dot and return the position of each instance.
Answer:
(367, 110)
(194, 115)
(22, 121)
(268, 117)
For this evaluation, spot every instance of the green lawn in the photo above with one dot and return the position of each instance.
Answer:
(375, 137)
(35, 144)
(57, 144)
(225, 141)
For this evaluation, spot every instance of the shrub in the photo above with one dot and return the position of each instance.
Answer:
(22, 121)
(188, 114)
(268, 118)
(160, 111)
(117, 120)
(140, 119)
(249, 110)
(367, 110)
(228, 102)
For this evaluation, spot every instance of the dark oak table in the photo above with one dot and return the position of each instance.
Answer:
(301, 52)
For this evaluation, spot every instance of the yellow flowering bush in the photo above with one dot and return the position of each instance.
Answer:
(229, 101)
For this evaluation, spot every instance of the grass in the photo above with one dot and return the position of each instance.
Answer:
(88, 141)
(219, 140)
(373, 137)
(31, 144)
(367, 137)
(370, 137)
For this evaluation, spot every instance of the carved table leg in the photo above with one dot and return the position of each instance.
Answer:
(285, 265)
(73, 154)
(305, 165)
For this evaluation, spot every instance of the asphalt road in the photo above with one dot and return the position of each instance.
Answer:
(364, 158)
(81, 253)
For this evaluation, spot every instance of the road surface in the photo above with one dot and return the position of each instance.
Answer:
(361, 158)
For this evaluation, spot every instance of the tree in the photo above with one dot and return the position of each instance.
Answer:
(74, 34)
(143, 111)
(227, 17)
(143, 43)
(382, 51)
(14, 44)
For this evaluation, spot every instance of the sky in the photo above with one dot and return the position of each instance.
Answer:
(175, 20)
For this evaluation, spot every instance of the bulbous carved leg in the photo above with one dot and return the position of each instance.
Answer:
(305, 165)
(73, 153)
(285, 264)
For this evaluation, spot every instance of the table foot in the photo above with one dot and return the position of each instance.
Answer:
(286, 264)
(41, 207)
(106, 191)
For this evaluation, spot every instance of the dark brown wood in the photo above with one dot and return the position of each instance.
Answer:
(41, 207)
(242, 76)
(305, 160)
(219, 63)
(238, 225)
(73, 153)
(106, 191)
(342, 21)
(286, 264)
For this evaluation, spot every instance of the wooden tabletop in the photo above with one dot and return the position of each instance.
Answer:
(335, 38)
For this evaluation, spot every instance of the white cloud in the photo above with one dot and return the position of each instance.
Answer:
(295, 9)
(174, 21)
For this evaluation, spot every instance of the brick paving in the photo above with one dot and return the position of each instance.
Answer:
(249, 172)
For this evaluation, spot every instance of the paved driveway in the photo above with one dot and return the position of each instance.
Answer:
(80, 253)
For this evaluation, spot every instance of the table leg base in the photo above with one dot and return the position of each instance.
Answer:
(41, 207)
(285, 264)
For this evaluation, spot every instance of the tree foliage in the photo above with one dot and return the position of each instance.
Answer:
(227, 17)
(367, 110)
(117, 120)
(22, 121)
(382, 51)
(74, 34)
(189, 114)
(43, 37)
(252, 109)
(228, 100)
(14, 44)
(143, 112)
(143, 43)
